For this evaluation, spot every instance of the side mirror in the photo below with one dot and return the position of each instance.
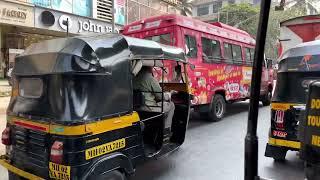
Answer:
(192, 66)
(269, 63)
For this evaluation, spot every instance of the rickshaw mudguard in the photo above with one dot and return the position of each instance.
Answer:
(107, 163)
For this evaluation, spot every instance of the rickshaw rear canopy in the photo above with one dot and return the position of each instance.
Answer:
(304, 57)
(87, 53)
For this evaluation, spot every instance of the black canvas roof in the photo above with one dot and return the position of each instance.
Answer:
(87, 53)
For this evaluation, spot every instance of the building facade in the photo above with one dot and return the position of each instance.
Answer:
(207, 10)
(23, 22)
(140, 9)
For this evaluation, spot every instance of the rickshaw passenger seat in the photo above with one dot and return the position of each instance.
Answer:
(138, 99)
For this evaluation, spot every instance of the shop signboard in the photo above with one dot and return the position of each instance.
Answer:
(17, 14)
(77, 24)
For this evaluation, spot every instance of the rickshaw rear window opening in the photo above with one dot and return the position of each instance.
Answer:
(30, 87)
(300, 64)
(292, 87)
(163, 39)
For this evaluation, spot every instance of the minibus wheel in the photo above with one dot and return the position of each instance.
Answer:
(217, 108)
(113, 175)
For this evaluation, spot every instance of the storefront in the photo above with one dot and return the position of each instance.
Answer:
(12, 16)
(24, 24)
(50, 20)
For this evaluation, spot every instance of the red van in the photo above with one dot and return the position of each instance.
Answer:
(221, 54)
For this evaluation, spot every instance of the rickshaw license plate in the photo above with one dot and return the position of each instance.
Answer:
(105, 148)
(58, 171)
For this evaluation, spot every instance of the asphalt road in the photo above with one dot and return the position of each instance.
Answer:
(215, 151)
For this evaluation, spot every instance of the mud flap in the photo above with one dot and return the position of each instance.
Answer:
(277, 153)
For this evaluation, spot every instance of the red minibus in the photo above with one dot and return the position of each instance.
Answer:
(221, 54)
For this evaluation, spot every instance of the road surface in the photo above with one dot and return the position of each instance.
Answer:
(215, 151)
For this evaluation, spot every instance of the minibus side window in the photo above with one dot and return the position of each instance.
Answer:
(252, 56)
(206, 50)
(211, 50)
(247, 56)
(228, 53)
(191, 46)
(236, 54)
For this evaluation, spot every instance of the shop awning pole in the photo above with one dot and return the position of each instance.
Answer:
(251, 139)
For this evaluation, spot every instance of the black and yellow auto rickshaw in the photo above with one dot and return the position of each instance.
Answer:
(297, 68)
(74, 114)
(309, 131)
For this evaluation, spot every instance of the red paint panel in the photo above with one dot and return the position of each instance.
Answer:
(30, 126)
(307, 32)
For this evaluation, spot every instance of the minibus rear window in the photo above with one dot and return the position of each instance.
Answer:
(163, 39)
(30, 87)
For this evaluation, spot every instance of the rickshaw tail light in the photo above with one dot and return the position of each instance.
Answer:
(56, 154)
(6, 137)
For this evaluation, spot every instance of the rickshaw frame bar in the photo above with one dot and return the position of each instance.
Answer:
(18, 171)
(251, 139)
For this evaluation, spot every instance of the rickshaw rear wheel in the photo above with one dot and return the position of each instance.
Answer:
(113, 175)
(266, 101)
(280, 156)
(217, 108)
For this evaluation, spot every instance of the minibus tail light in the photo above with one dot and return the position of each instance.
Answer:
(6, 137)
(56, 154)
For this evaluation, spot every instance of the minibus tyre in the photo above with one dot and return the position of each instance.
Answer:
(113, 175)
(215, 114)
(266, 101)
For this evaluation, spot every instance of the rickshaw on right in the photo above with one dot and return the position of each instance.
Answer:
(298, 67)
(309, 126)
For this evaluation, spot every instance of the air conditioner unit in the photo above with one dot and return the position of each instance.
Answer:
(102, 9)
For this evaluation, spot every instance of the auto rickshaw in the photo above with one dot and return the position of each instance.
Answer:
(309, 131)
(74, 113)
(297, 67)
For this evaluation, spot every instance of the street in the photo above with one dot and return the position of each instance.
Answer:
(216, 151)
(213, 151)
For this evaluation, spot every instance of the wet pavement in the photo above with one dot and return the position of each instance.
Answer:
(215, 151)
